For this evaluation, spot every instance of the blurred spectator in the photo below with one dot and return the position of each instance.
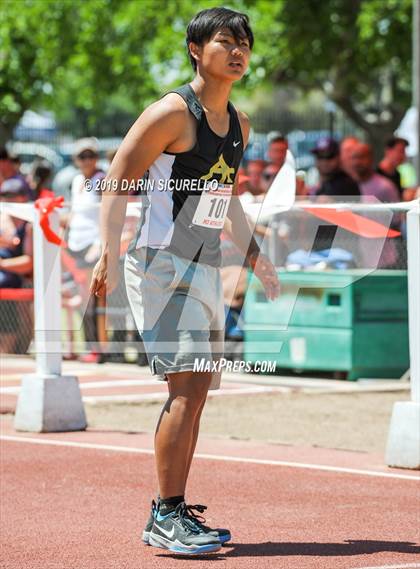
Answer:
(15, 237)
(254, 171)
(252, 182)
(394, 156)
(347, 146)
(371, 183)
(301, 187)
(84, 236)
(40, 178)
(268, 175)
(9, 169)
(17, 163)
(110, 155)
(333, 180)
(277, 148)
(242, 181)
(15, 259)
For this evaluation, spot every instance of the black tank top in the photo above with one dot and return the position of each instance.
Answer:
(181, 219)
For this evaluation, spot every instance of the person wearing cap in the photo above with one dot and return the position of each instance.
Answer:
(16, 255)
(9, 169)
(83, 235)
(394, 156)
(333, 180)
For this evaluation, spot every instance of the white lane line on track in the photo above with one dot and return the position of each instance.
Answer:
(95, 384)
(224, 458)
(117, 383)
(163, 395)
(405, 566)
(14, 390)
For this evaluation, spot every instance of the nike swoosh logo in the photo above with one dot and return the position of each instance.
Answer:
(170, 534)
(235, 144)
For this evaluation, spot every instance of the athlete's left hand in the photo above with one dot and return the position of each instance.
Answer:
(264, 269)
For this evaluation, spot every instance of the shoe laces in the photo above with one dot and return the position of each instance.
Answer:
(188, 520)
(196, 519)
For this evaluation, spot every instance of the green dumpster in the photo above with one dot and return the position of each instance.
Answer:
(339, 321)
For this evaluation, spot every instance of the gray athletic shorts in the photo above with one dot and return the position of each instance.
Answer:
(178, 308)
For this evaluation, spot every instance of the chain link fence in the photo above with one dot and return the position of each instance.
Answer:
(292, 238)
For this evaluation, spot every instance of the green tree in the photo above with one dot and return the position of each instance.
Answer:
(34, 42)
(358, 52)
(79, 55)
(81, 58)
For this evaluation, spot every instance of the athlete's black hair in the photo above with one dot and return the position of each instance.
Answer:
(207, 22)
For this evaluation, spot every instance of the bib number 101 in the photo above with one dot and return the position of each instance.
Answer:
(218, 208)
(212, 208)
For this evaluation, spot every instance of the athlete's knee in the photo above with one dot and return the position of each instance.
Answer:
(190, 389)
(184, 407)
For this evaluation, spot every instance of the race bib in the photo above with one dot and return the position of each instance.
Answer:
(213, 206)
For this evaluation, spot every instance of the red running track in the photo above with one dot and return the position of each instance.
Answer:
(66, 507)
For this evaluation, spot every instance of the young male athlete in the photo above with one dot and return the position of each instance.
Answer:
(192, 139)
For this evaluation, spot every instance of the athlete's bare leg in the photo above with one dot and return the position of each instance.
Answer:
(177, 428)
(194, 441)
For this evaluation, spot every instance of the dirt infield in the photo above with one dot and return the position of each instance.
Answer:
(352, 421)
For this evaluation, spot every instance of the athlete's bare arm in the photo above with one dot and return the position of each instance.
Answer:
(241, 233)
(164, 125)
(238, 227)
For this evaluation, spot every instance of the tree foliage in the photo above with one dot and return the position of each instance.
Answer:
(92, 54)
(357, 52)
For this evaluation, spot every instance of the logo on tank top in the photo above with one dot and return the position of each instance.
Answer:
(222, 169)
(212, 208)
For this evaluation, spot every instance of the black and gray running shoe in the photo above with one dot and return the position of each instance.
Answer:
(222, 534)
(149, 525)
(177, 532)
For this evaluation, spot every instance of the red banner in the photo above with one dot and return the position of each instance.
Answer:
(45, 207)
(353, 222)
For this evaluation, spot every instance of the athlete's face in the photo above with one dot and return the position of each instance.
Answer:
(224, 55)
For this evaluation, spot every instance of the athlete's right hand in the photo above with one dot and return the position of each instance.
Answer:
(104, 277)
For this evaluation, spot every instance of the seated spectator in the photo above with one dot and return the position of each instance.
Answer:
(333, 180)
(40, 178)
(9, 169)
(394, 156)
(242, 180)
(370, 182)
(269, 173)
(254, 171)
(373, 184)
(254, 187)
(277, 148)
(15, 259)
(347, 146)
